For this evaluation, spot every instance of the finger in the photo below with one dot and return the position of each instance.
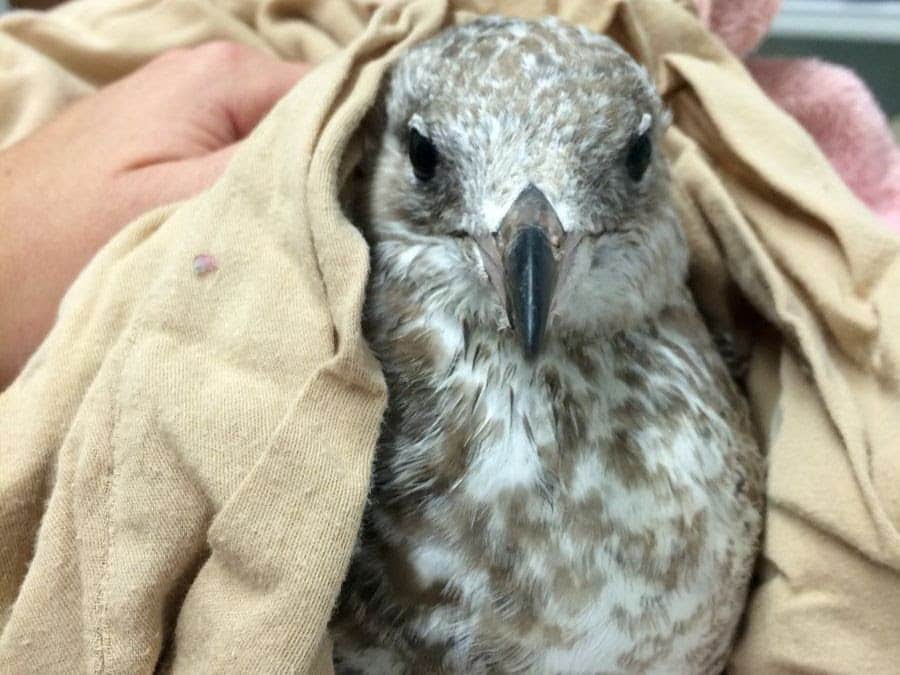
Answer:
(248, 81)
(168, 182)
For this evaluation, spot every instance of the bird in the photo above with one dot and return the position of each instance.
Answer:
(567, 478)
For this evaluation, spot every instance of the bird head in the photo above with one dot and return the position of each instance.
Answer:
(515, 182)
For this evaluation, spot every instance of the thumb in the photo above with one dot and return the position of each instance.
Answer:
(167, 182)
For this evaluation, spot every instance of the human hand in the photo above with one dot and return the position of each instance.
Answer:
(162, 134)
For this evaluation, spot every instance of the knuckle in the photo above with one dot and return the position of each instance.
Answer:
(221, 53)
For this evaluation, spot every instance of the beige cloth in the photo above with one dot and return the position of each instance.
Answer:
(183, 463)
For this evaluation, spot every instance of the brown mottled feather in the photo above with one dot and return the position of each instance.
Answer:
(595, 509)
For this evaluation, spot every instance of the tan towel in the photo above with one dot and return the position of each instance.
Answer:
(183, 463)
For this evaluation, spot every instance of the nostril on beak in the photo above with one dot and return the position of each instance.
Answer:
(531, 209)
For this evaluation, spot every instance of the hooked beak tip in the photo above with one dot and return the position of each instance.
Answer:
(530, 284)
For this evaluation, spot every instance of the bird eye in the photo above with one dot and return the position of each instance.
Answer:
(422, 155)
(638, 158)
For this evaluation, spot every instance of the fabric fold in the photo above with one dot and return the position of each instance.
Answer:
(184, 461)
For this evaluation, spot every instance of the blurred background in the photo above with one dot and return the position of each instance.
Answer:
(861, 34)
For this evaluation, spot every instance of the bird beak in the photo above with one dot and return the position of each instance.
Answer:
(530, 239)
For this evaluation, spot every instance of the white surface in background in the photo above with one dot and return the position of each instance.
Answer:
(839, 20)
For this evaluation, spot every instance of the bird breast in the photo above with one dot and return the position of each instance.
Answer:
(578, 502)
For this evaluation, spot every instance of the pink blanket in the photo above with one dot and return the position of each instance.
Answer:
(831, 102)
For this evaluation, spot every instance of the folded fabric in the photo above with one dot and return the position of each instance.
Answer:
(831, 102)
(184, 461)
(840, 113)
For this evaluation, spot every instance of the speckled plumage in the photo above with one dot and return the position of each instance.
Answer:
(594, 509)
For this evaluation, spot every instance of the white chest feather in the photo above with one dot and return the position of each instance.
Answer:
(586, 512)
(603, 562)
